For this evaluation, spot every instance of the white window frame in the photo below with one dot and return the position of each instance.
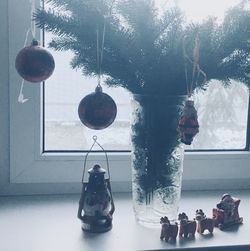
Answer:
(30, 171)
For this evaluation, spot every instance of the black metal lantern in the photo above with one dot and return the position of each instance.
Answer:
(96, 205)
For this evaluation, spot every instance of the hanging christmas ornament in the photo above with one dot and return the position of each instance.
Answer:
(96, 205)
(97, 110)
(34, 63)
(188, 123)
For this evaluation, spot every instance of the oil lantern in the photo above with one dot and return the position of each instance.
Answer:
(96, 205)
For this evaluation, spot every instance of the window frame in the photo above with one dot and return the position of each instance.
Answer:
(30, 170)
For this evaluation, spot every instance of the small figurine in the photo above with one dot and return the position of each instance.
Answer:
(226, 213)
(203, 222)
(187, 227)
(168, 230)
(188, 124)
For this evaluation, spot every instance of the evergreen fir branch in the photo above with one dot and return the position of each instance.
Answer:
(236, 30)
(172, 20)
(63, 44)
(61, 25)
(144, 51)
(132, 86)
(59, 3)
(78, 7)
(140, 16)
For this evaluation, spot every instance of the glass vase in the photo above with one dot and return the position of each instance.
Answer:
(157, 157)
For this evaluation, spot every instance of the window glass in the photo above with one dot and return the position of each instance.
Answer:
(222, 115)
(222, 112)
(63, 93)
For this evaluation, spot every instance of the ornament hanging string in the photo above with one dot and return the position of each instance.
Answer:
(85, 160)
(99, 51)
(98, 110)
(21, 98)
(31, 30)
(196, 70)
(32, 22)
(188, 125)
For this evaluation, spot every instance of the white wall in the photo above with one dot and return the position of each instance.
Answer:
(4, 97)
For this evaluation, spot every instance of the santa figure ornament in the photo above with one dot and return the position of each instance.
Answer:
(188, 124)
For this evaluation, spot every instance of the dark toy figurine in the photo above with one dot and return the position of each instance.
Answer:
(226, 214)
(168, 230)
(187, 227)
(203, 222)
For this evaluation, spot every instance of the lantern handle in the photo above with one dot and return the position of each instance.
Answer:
(85, 160)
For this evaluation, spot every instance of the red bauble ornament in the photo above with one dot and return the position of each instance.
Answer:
(97, 110)
(188, 123)
(34, 63)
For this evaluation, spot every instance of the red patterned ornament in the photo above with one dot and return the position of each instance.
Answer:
(34, 63)
(97, 110)
(188, 124)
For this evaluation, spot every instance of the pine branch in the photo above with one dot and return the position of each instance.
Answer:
(64, 44)
(143, 51)
(61, 25)
(236, 30)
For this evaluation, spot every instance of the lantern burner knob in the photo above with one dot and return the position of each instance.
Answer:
(97, 169)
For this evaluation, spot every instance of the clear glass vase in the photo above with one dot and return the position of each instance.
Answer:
(157, 158)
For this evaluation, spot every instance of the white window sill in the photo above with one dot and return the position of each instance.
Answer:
(49, 223)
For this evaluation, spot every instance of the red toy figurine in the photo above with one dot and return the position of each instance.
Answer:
(204, 222)
(188, 124)
(187, 227)
(168, 230)
(226, 213)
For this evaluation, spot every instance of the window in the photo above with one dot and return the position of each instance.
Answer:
(223, 115)
(222, 111)
(63, 92)
(60, 172)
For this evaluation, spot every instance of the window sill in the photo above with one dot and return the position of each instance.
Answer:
(38, 223)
